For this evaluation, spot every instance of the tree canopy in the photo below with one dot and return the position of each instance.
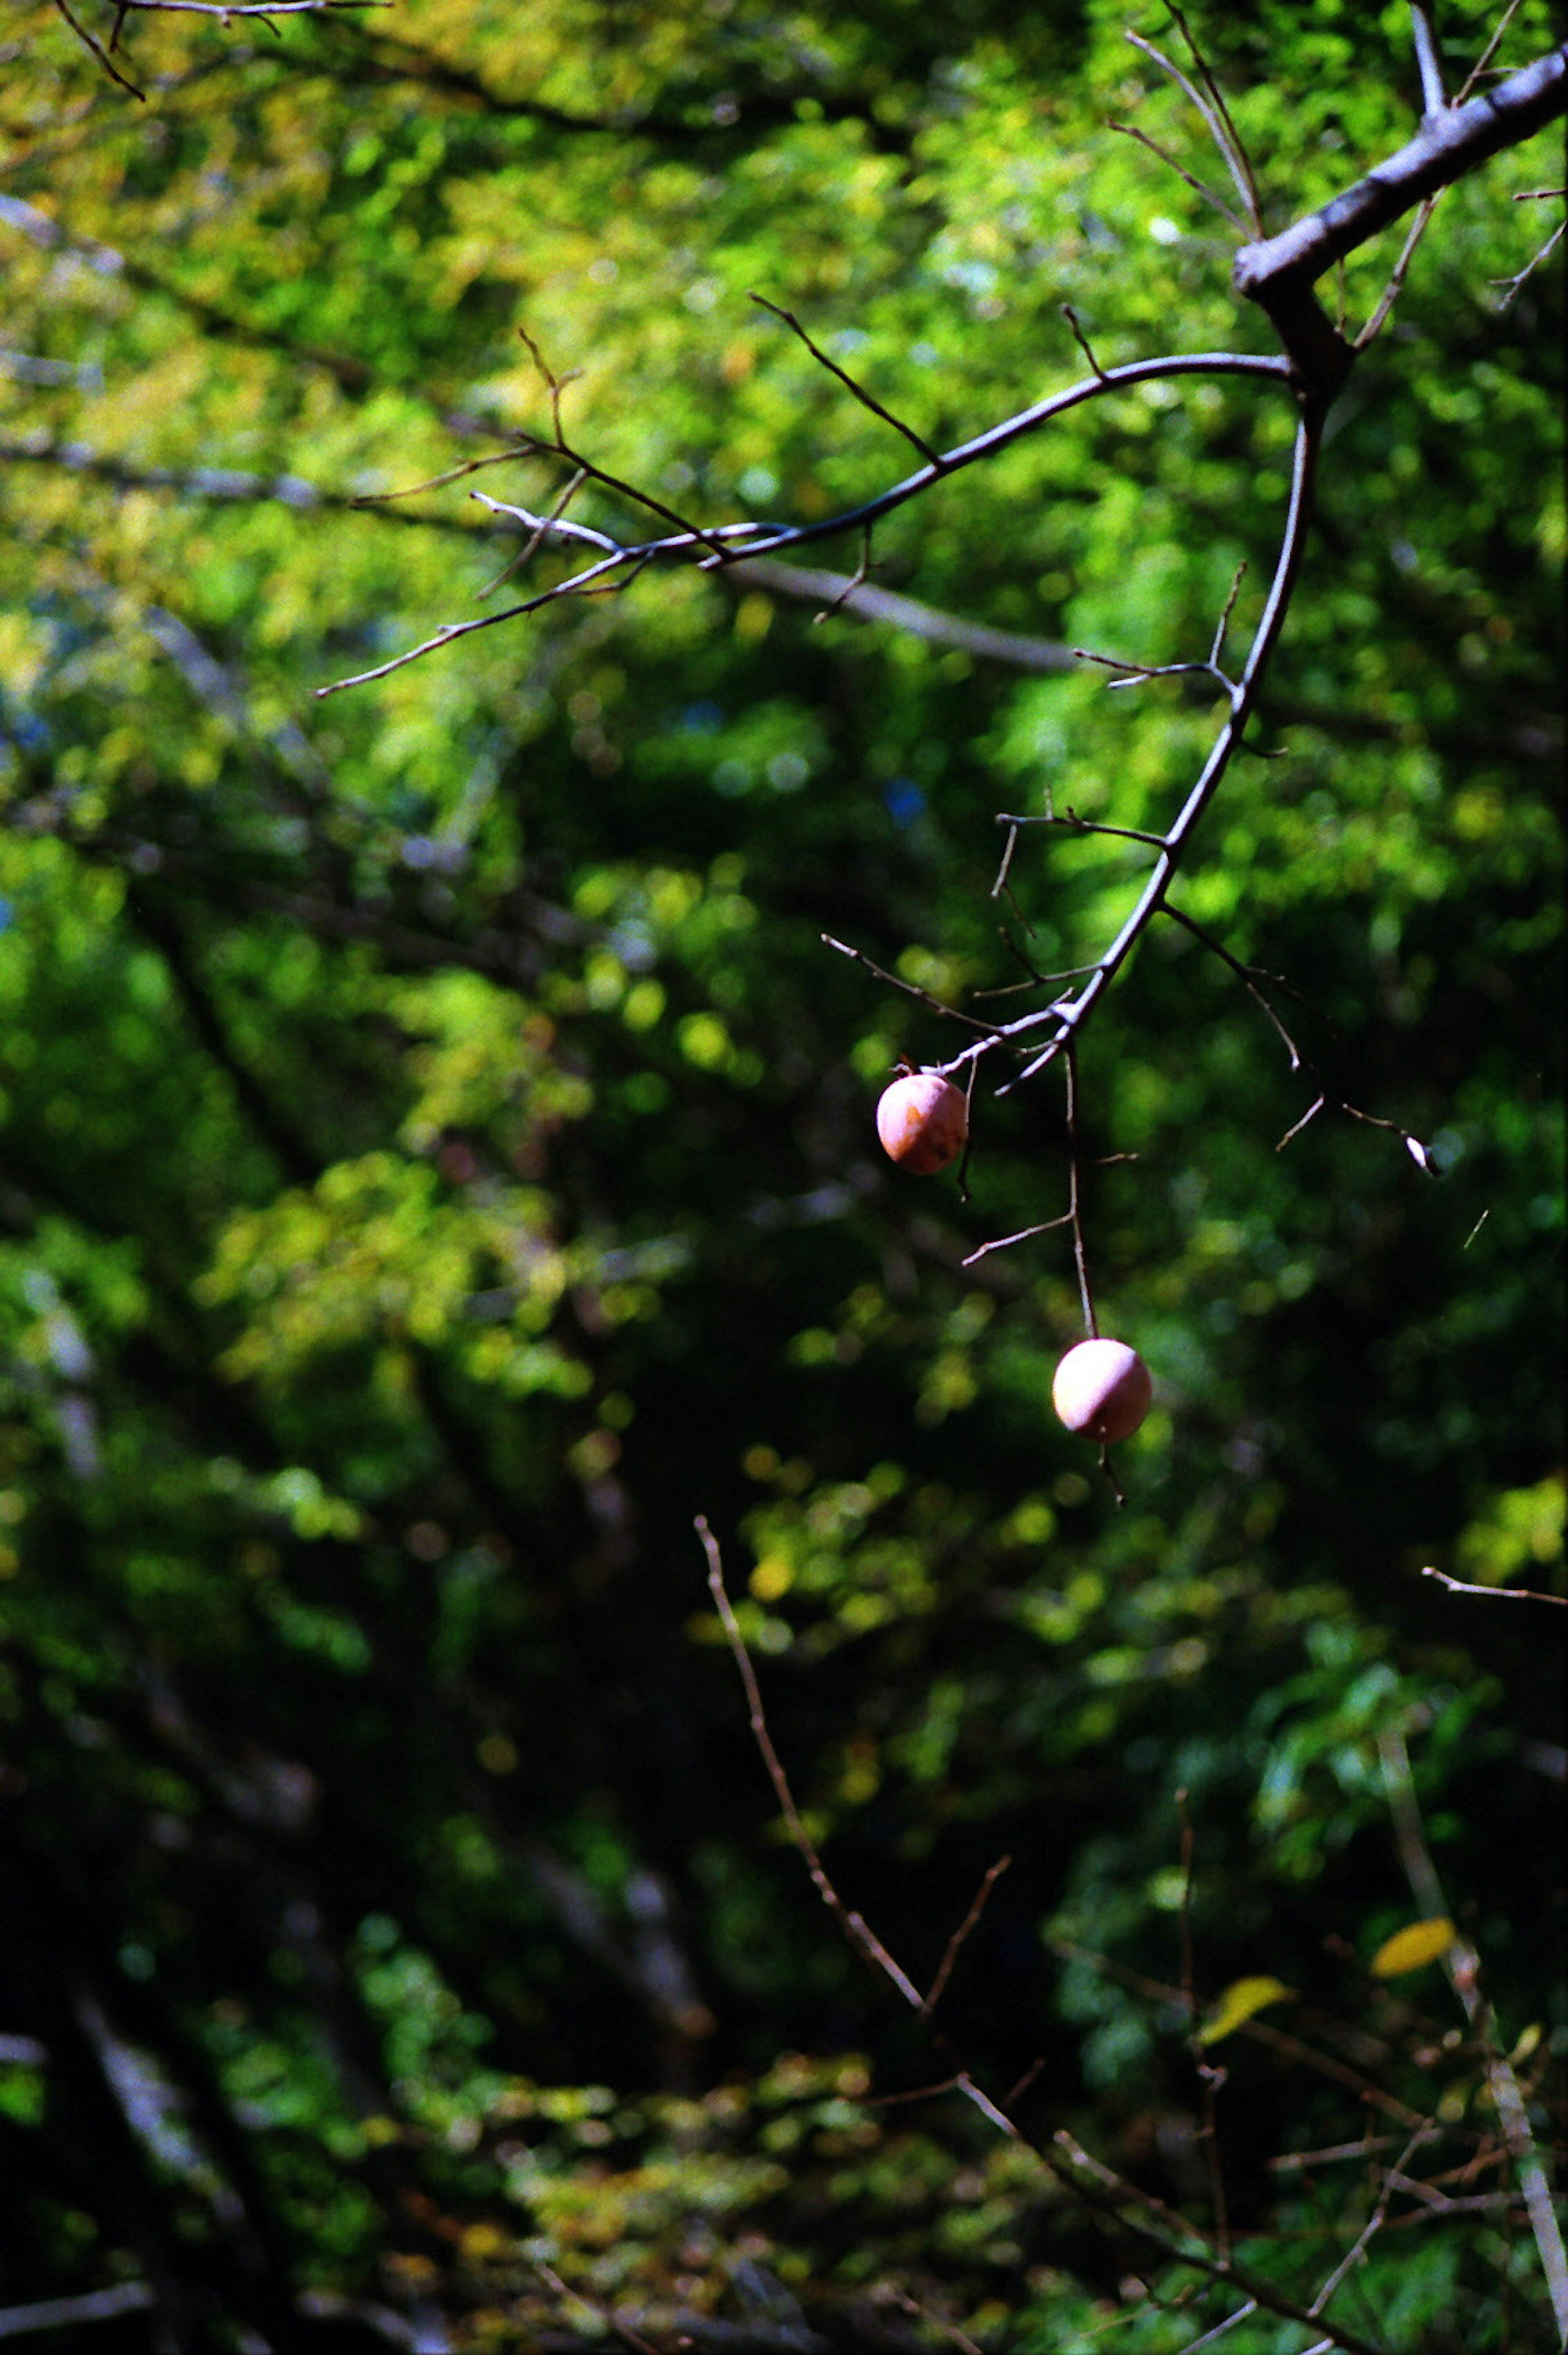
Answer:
(438, 1170)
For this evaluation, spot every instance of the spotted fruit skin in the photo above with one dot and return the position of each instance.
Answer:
(922, 1122)
(1102, 1389)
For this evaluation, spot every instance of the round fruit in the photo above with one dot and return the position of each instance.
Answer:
(1102, 1389)
(922, 1122)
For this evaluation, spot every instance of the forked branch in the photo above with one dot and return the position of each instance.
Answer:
(1111, 2195)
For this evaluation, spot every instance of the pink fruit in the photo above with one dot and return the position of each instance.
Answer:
(922, 1122)
(1102, 1389)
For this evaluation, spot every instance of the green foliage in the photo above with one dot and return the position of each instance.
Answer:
(436, 1164)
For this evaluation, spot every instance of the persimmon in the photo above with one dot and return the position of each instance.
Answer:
(1102, 1389)
(922, 1122)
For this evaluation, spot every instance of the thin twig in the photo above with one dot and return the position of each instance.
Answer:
(1235, 151)
(1462, 1966)
(1245, 973)
(91, 42)
(1219, 127)
(1510, 286)
(1376, 2219)
(956, 1943)
(1212, 2338)
(909, 989)
(1394, 287)
(1506, 1594)
(527, 449)
(1223, 623)
(1024, 1235)
(1081, 340)
(1209, 2077)
(1099, 2187)
(227, 8)
(1489, 53)
(859, 1934)
(939, 2323)
(852, 586)
(1131, 131)
(1075, 1197)
(725, 543)
(845, 378)
(1071, 1018)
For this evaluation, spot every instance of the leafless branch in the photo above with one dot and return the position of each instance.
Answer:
(853, 1924)
(896, 981)
(960, 1936)
(725, 543)
(840, 592)
(1278, 273)
(1131, 131)
(1245, 973)
(1506, 1594)
(1510, 286)
(1070, 819)
(848, 381)
(227, 8)
(1395, 285)
(1024, 1235)
(1212, 2338)
(1462, 1964)
(1433, 98)
(91, 41)
(1140, 2212)
(1493, 44)
(1069, 1015)
(1212, 107)
(1079, 337)
(451, 475)
(1377, 2217)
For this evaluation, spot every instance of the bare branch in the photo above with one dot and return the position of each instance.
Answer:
(227, 8)
(1079, 337)
(854, 1927)
(841, 592)
(1222, 129)
(1076, 825)
(1069, 1017)
(909, 989)
(1376, 2220)
(1489, 53)
(528, 449)
(1131, 131)
(957, 1941)
(845, 378)
(1024, 1235)
(1510, 286)
(1433, 98)
(1099, 2186)
(1391, 292)
(1444, 150)
(1245, 973)
(91, 41)
(1463, 1967)
(725, 543)
(1505, 1593)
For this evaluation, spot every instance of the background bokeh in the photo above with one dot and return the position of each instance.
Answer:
(436, 1165)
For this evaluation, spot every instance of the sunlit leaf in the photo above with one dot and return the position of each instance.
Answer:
(1237, 2003)
(1412, 1947)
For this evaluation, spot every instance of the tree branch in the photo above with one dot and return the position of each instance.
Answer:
(1463, 1967)
(1278, 273)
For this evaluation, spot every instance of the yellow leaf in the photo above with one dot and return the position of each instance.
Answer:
(1237, 2003)
(1417, 1944)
